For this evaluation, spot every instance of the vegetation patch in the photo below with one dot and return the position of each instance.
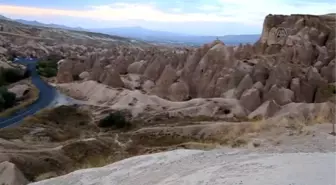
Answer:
(54, 125)
(115, 120)
(10, 75)
(224, 133)
(47, 68)
(327, 93)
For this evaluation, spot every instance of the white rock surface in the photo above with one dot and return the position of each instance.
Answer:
(19, 90)
(217, 167)
(11, 175)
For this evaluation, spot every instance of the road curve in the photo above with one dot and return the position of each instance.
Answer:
(46, 96)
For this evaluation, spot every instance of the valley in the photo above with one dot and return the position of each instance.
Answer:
(145, 108)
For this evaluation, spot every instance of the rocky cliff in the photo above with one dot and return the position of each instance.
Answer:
(293, 61)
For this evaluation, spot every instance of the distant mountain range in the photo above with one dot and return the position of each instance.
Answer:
(176, 38)
(152, 35)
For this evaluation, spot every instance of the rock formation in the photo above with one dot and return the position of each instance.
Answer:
(11, 175)
(292, 60)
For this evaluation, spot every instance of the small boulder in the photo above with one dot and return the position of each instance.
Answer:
(111, 78)
(295, 87)
(84, 75)
(148, 86)
(20, 90)
(229, 94)
(11, 175)
(281, 96)
(318, 65)
(250, 99)
(178, 91)
(246, 83)
(137, 67)
(258, 85)
(266, 110)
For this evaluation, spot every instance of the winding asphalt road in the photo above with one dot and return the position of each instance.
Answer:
(46, 96)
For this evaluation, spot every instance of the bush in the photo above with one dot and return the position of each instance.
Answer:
(47, 68)
(47, 72)
(114, 120)
(75, 77)
(7, 99)
(13, 75)
(8, 76)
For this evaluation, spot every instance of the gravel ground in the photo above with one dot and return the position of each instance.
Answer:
(216, 167)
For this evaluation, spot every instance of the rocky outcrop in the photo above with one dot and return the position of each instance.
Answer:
(142, 105)
(137, 67)
(266, 110)
(84, 75)
(178, 91)
(11, 175)
(250, 99)
(19, 90)
(291, 62)
(111, 77)
(281, 95)
(166, 79)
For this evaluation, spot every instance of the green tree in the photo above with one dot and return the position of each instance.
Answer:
(7, 99)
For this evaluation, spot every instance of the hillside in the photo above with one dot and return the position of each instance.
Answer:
(159, 37)
(175, 38)
(27, 40)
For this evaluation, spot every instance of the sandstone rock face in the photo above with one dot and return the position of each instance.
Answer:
(148, 86)
(65, 69)
(250, 99)
(178, 91)
(305, 112)
(281, 95)
(245, 84)
(20, 90)
(296, 53)
(166, 79)
(111, 77)
(143, 105)
(137, 67)
(266, 110)
(11, 175)
(84, 75)
(298, 61)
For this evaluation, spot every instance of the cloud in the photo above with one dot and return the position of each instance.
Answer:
(254, 11)
(209, 8)
(118, 12)
(238, 11)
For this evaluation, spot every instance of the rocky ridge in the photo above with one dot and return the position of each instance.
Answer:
(293, 61)
(18, 39)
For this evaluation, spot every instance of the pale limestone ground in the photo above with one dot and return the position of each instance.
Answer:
(216, 167)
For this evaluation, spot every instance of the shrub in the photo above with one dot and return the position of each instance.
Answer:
(8, 76)
(7, 99)
(11, 75)
(75, 77)
(114, 120)
(47, 68)
(48, 72)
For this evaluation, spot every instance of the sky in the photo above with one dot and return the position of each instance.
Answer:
(194, 17)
